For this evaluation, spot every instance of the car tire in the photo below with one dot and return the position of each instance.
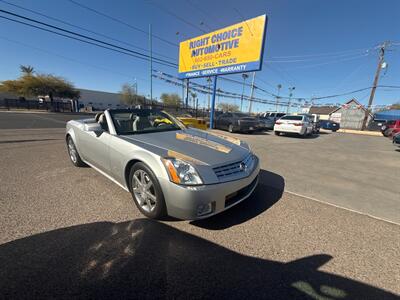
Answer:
(334, 130)
(277, 133)
(386, 133)
(230, 128)
(73, 153)
(152, 207)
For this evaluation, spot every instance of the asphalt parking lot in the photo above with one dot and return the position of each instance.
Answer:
(72, 233)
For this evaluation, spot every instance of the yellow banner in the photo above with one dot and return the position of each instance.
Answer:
(236, 48)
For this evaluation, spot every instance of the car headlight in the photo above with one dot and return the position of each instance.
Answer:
(181, 172)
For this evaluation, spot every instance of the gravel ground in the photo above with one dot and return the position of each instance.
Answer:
(69, 232)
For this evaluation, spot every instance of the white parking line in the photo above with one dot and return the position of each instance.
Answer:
(341, 207)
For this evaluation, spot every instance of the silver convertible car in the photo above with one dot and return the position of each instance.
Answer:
(169, 169)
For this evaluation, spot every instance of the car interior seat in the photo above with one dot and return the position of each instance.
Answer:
(103, 122)
(141, 123)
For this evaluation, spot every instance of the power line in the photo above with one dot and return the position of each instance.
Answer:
(124, 50)
(317, 58)
(81, 28)
(324, 54)
(331, 62)
(205, 13)
(120, 22)
(70, 59)
(159, 6)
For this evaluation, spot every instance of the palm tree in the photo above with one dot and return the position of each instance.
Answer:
(27, 70)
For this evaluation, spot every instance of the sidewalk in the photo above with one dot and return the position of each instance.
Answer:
(372, 133)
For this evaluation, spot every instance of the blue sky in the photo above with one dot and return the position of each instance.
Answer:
(319, 47)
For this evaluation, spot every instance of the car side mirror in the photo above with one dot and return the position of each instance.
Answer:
(94, 127)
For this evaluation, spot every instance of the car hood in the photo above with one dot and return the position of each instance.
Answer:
(200, 147)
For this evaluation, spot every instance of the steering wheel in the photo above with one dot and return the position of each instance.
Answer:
(161, 124)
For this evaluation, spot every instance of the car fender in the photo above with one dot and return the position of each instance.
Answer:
(71, 132)
(152, 160)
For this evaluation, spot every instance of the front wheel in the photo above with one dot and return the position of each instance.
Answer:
(73, 153)
(146, 192)
(277, 133)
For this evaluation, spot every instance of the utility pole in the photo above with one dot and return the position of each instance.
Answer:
(135, 86)
(151, 64)
(378, 70)
(244, 75)
(291, 89)
(279, 86)
(252, 92)
(183, 90)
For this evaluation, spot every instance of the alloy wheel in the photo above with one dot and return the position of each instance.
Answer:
(72, 151)
(143, 189)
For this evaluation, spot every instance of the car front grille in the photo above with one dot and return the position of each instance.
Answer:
(231, 169)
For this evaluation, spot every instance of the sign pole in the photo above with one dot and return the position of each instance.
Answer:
(213, 103)
(187, 94)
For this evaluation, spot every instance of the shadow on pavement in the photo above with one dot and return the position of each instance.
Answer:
(148, 259)
(268, 192)
(294, 135)
(27, 141)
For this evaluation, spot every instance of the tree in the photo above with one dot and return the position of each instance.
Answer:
(228, 107)
(395, 106)
(26, 70)
(171, 99)
(32, 85)
(129, 95)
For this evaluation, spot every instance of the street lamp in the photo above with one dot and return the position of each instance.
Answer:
(291, 89)
(279, 86)
(245, 76)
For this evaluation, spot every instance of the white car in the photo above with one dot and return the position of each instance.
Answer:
(298, 124)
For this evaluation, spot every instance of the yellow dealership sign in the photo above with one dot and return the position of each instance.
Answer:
(234, 49)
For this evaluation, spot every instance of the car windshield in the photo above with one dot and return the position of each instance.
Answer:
(292, 118)
(143, 121)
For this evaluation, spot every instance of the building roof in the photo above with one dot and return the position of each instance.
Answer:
(388, 115)
(353, 101)
(322, 110)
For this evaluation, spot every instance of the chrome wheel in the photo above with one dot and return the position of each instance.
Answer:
(72, 151)
(143, 189)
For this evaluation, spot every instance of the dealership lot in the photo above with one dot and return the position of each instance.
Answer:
(87, 235)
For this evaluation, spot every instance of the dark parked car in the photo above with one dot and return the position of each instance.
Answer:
(329, 125)
(396, 139)
(237, 122)
(266, 123)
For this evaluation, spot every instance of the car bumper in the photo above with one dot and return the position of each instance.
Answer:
(291, 129)
(183, 201)
(247, 128)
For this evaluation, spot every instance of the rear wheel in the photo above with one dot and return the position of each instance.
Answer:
(146, 192)
(73, 153)
(230, 128)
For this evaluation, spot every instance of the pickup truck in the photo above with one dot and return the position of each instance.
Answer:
(390, 127)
